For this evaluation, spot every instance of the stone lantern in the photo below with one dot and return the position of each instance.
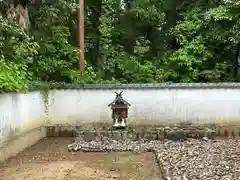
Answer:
(119, 111)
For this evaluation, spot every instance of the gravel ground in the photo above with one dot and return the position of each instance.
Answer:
(186, 160)
(201, 160)
(191, 159)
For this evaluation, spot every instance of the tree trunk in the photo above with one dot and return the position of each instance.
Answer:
(17, 11)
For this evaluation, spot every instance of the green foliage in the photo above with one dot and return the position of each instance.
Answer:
(207, 37)
(17, 51)
(55, 56)
(130, 41)
(88, 77)
(13, 77)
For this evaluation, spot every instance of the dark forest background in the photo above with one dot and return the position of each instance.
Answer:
(127, 41)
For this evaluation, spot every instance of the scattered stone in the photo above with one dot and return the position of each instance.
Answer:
(148, 136)
(193, 159)
(154, 135)
(130, 135)
(198, 159)
(205, 138)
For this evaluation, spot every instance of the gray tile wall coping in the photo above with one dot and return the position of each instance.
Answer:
(152, 86)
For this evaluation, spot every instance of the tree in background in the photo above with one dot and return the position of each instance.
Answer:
(127, 41)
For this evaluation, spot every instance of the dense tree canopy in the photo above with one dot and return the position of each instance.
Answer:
(126, 41)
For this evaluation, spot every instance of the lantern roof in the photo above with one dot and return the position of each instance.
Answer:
(119, 100)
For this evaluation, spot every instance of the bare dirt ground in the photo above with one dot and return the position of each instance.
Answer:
(49, 159)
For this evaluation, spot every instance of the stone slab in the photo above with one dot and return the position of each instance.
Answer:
(89, 135)
(116, 135)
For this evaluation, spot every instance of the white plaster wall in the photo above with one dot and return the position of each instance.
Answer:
(161, 105)
(25, 111)
(20, 113)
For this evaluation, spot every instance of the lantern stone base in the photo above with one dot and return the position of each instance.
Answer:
(119, 125)
(116, 124)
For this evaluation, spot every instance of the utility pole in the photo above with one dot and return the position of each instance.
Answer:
(81, 35)
(237, 63)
